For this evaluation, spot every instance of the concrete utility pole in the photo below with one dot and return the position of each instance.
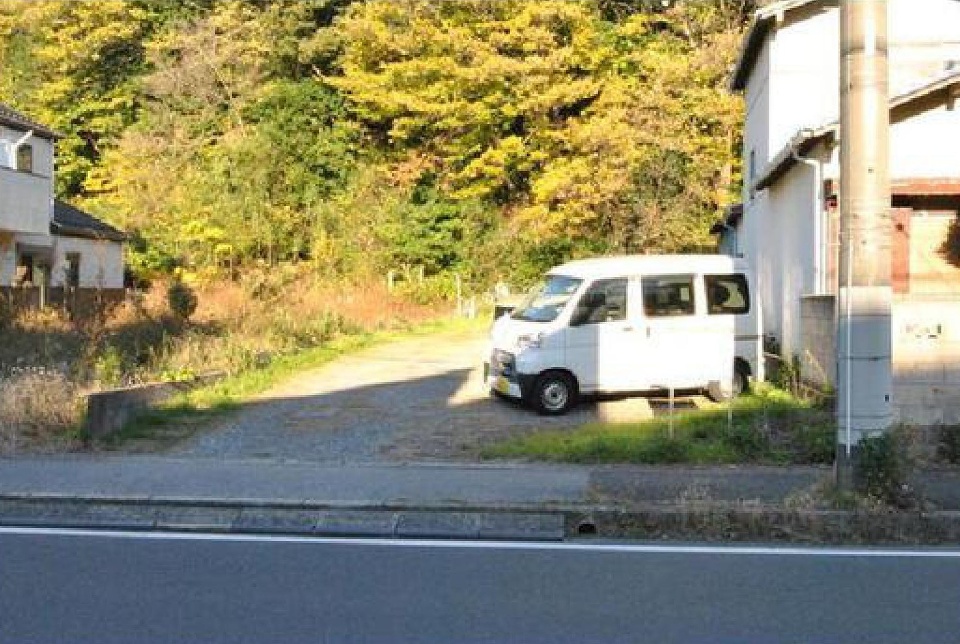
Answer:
(863, 314)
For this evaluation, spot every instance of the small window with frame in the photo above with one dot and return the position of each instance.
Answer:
(727, 294)
(25, 158)
(24, 274)
(668, 295)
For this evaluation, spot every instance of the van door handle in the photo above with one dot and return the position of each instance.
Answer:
(628, 329)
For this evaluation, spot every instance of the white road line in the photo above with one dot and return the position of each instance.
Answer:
(732, 550)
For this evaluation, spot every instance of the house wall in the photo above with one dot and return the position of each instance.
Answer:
(25, 202)
(926, 145)
(26, 199)
(101, 262)
(756, 135)
(42, 151)
(8, 259)
(924, 37)
(749, 232)
(804, 74)
(785, 253)
(794, 83)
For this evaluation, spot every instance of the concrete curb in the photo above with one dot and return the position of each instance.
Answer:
(729, 522)
(284, 517)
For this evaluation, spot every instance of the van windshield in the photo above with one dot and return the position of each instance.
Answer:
(547, 299)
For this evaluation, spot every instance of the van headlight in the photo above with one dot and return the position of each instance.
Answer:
(529, 341)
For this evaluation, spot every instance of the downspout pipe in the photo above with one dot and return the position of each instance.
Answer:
(819, 256)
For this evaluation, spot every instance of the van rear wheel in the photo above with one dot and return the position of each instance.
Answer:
(554, 393)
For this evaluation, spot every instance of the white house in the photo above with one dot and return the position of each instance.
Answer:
(49, 250)
(788, 71)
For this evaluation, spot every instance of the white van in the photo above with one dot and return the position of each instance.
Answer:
(629, 324)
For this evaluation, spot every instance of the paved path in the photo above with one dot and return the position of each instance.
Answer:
(413, 400)
(154, 477)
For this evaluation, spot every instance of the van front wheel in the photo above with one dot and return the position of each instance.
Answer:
(554, 393)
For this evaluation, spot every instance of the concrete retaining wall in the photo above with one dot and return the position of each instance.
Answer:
(926, 355)
(818, 361)
(108, 411)
(926, 361)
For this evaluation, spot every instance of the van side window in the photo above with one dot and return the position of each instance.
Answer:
(604, 301)
(668, 295)
(727, 294)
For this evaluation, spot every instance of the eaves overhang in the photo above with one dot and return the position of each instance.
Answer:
(14, 119)
(799, 146)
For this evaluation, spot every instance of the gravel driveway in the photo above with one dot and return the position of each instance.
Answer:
(411, 400)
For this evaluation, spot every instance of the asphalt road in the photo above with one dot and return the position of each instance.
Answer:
(90, 587)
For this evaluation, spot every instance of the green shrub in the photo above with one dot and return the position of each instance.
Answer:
(745, 440)
(432, 290)
(815, 443)
(182, 300)
(108, 368)
(948, 447)
(310, 332)
(881, 468)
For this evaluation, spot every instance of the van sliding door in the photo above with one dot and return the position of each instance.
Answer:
(677, 350)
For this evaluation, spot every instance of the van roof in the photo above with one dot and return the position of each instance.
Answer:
(601, 267)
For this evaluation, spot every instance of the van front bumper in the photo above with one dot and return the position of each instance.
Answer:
(502, 377)
(502, 385)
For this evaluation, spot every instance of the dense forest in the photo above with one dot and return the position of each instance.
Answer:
(486, 138)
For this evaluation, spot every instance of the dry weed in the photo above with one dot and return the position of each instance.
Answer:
(39, 412)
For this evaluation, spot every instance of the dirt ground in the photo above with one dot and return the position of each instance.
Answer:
(411, 400)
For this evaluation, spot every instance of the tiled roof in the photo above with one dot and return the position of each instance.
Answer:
(71, 222)
(12, 118)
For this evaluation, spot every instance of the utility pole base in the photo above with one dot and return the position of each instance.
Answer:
(845, 468)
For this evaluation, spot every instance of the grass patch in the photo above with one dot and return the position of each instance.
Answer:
(769, 426)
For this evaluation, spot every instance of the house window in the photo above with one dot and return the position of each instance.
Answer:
(25, 158)
(668, 295)
(73, 270)
(25, 270)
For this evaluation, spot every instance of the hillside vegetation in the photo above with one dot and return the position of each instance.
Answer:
(485, 138)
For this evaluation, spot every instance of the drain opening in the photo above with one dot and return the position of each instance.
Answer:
(587, 528)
